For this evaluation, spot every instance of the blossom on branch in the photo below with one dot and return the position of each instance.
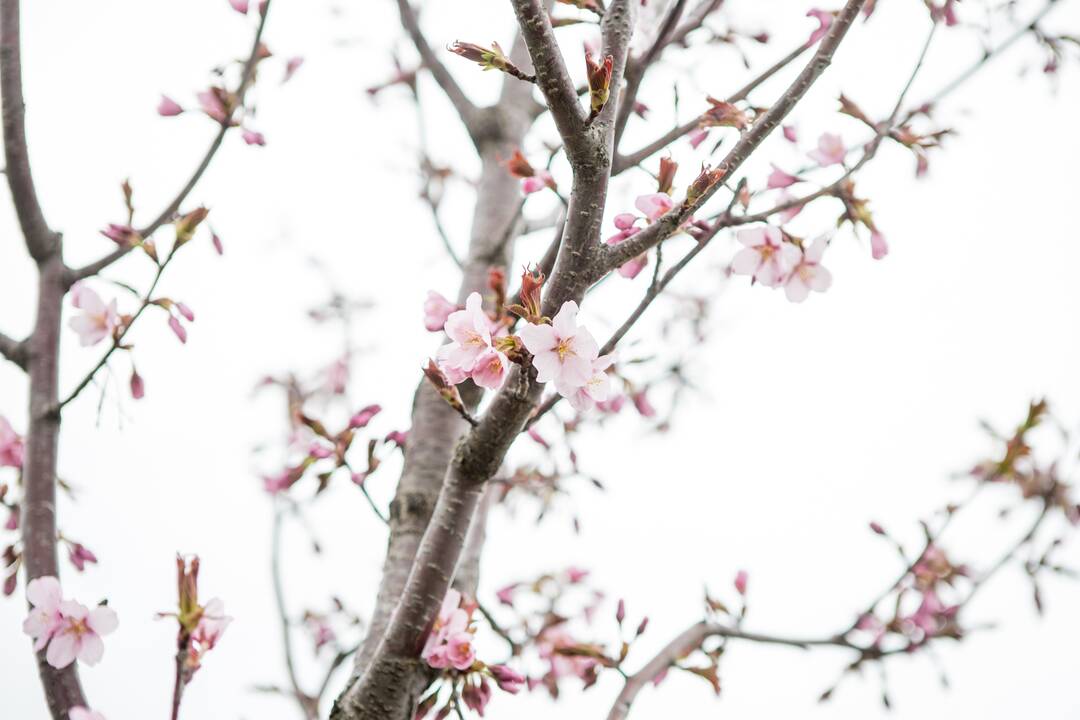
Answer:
(97, 321)
(563, 351)
(65, 628)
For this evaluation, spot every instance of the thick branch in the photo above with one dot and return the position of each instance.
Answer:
(670, 223)
(166, 215)
(40, 240)
(551, 75)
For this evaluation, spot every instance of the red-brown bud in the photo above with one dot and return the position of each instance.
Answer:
(599, 75)
(724, 114)
(532, 281)
(704, 181)
(666, 177)
(442, 385)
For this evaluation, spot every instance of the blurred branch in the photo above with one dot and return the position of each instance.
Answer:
(14, 350)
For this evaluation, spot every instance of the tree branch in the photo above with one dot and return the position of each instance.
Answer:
(13, 350)
(309, 706)
(41, 241)
(166, 215)
(670, 223)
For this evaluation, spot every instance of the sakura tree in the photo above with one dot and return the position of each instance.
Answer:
(602, 142)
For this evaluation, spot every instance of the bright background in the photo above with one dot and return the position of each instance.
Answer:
(813, 419)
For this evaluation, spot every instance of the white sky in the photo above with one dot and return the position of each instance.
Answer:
(814, 419)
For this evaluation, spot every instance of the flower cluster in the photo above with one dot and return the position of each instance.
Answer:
(477, 350)
(773, 261)
(566, 354)
(67, 630)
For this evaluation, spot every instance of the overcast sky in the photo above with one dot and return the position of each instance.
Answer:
(812, 420)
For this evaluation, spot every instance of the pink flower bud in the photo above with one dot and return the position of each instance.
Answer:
(185, 311)
(620, 611)
(741, 578)
(138, 387)
(240, 6)
(364, 416)
(878, 247)
(790, 134)
(218, 247)
(291, 66)
(507, 679)
(177, 328)
(253, 138)
(169, 107)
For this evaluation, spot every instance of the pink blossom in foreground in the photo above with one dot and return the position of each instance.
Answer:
(251, 137)
(240, 6)
(878, 247)
(654, 205)
(436, 311)
(830, 150)
(825, 21)
(460, 651)
(169, 107)
(808, 274)
(766, 257)
(97, 321)
(594, 390)
(470, 334)
(563, 352)
(780, 179)
(83, 713)
(11, 445)
(77, 635)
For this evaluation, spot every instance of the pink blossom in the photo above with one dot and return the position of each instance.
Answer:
(790, 134)
(508, 680)
(451, 621)
(825, 20)
(273, 484)
(83, 713)
(596, 388)
(211, 104)
(218, 247)
(624, 222)
(612, 405)
(476, 697)
(321, 631)
(537, 182)
(780, 179)
(741, 579)
(251, 137)
(44, 596)
(79, 555)
(563, 352)
(470, 334)
(138, 386)
(830, 150)
(178, 328)
(98, 320)
(11, 445)
(240, 6)
(398, 437)
(872, 624)
(697, 137)
(211, 625)
(460, 651)
(632, 268)
(337, 376)
(364, 416)
(436, 311)
(169, 107)
(78, 634)
(808, 274)
(878, 247)
(291, 66)
(766, 256)
(122, 235)
(654, 205)
(490, 370)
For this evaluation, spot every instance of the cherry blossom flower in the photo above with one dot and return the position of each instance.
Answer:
(490, 370)
(878, 247)
(786, 216)
(594, 390)
(830, 150)
(78, 634)
(542, 179)
(138, 385)
(84, 713)
(808, 274)
(169, 107)
(470, 333)
(780, 179)
(436, 311)
(11, 445)
(98, 320)
(451, 621)
(460, 651)
(44, 596)
(825, 20)
(697, 137)
(364, 416)
(624, 222)
(654, 205)
(766, 256)
(211, 625)
(562, 351)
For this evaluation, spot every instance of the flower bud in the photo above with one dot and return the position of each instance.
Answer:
(704, 181)
(666, 177)
(599, 75)
(724, 114)
(531, 283)
(442, 385)
(187, 224)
